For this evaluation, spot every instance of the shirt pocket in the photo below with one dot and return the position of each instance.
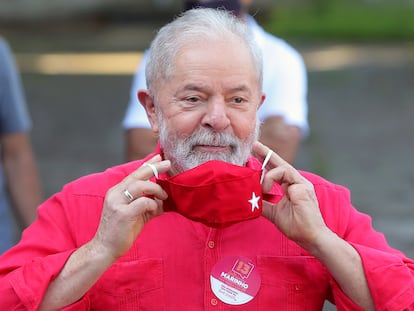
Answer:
(292, 283)
(132, 285)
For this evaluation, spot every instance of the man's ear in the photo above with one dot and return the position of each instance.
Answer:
(262, 99)
(147, 101)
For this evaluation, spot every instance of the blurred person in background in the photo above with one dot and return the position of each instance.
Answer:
(284, 113)
(20, 190)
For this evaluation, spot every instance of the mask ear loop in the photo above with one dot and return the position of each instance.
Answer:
(153, 168)
(266, 160)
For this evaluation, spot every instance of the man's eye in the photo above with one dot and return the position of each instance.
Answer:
(238, 100)
(192, 99)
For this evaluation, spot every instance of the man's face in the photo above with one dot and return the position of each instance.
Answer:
(208, 107)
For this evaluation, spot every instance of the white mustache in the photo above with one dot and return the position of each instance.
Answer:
(210, 138)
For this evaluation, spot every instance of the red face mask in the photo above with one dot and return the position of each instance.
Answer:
(215, 193)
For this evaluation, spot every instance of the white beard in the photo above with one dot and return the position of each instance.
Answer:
(180, 150)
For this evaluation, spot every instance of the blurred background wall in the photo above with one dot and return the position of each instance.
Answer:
(35, 10)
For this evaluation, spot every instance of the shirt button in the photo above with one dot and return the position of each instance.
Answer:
(213, 301)
(211, 244)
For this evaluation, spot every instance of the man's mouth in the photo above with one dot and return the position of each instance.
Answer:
(212, 148)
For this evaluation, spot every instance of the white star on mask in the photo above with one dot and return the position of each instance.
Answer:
(254, 201)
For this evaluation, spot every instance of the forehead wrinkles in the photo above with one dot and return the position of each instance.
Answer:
(186, 64)
(226, 41)
(199, 60)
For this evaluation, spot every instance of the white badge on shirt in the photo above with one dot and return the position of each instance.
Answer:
(235, 280)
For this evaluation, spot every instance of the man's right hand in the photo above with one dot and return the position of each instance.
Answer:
(128, 206)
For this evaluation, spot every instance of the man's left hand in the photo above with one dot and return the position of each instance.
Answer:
(297, 214)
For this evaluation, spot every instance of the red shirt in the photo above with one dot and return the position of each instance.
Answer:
(169, 266)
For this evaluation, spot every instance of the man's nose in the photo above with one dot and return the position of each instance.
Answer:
(216, 116)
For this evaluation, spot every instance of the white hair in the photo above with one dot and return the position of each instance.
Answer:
(190, 27)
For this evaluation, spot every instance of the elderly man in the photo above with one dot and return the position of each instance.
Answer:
(201, 224)
(283, 116)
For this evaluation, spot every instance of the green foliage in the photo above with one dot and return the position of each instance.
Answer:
(343, 19)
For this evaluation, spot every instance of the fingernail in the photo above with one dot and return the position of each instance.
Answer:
(165, 163)
(156, 157)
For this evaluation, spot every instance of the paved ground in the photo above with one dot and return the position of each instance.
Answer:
(361, 101)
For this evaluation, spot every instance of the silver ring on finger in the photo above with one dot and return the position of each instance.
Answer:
(128, 195)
